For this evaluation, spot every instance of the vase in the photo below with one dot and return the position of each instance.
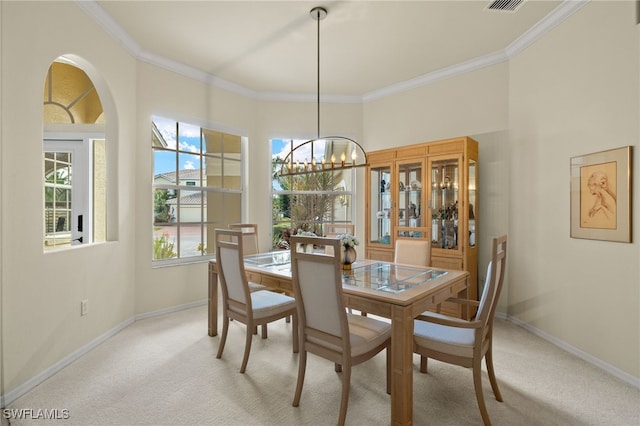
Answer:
(348, 257)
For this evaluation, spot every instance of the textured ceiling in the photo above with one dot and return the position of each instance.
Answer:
(365, 46)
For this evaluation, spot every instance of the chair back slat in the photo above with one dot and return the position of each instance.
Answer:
(316, 286)
(413, 251)
(229, 257)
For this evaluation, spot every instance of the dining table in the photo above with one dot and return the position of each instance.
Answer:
(395, 291)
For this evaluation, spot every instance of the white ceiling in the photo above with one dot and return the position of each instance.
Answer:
(269, 47)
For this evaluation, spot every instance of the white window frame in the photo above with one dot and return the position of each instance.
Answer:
(345, 193)
(186, 186)
(81, 147)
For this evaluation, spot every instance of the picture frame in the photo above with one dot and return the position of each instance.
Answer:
(601, 195)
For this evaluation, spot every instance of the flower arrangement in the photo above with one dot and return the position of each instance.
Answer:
(348, 240)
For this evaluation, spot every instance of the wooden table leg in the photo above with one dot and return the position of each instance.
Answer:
(213, 301)
(401, 366)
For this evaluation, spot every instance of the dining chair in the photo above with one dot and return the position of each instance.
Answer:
(332, 230)
(335, 229)
(465, 343)
(325, 327)
(238, 302)
(250, 246)
(249, 237)
(412, 251)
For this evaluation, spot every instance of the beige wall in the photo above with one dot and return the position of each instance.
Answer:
(574, 91)
(468, 104)
(42, 292)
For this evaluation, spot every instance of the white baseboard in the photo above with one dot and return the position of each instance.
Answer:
(171, 309)
(16, 393)
(614, 371)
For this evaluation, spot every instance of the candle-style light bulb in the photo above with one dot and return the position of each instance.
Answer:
(333, 160)
(313, 163)
(343, 157)
(353, 157)
(324, 160)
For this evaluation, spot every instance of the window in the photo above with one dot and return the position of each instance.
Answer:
(74, 211)
(197, 187)
(74, 159)
(306, 202)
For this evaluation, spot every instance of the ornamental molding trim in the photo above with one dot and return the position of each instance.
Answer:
(549, 22)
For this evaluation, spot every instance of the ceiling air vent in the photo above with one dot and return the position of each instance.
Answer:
(505, 5)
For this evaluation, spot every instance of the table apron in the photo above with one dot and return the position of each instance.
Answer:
(364, 304)
(434, 299)
(278, 284)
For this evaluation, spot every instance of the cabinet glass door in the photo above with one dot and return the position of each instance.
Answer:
(445, 180)
(410, 203)
(380, 220)
(473, 181)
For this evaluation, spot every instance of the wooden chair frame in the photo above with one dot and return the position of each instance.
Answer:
(331, 345)
(249, 237)
(481, 326)
(335, 229)
(237, 298)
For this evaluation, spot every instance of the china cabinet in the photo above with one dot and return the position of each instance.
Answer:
(428, 191)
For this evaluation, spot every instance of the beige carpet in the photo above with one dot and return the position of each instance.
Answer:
(163, 371)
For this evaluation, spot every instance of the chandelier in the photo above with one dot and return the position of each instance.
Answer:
(328, 153)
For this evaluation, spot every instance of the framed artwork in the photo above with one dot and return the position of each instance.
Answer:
(601, 195)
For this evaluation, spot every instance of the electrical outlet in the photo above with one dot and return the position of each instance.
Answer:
(84, 308)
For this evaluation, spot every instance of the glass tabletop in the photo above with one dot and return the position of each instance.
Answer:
(389, 277)
(274, 258)
(380, 276)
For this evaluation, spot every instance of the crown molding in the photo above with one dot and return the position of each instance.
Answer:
(549, 22)
(91, 8)
(441, 74)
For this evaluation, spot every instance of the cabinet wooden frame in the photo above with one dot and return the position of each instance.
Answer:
(463, 152)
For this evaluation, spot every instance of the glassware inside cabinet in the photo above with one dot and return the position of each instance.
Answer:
(445, 178)
(380, 205)
(409, 199)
